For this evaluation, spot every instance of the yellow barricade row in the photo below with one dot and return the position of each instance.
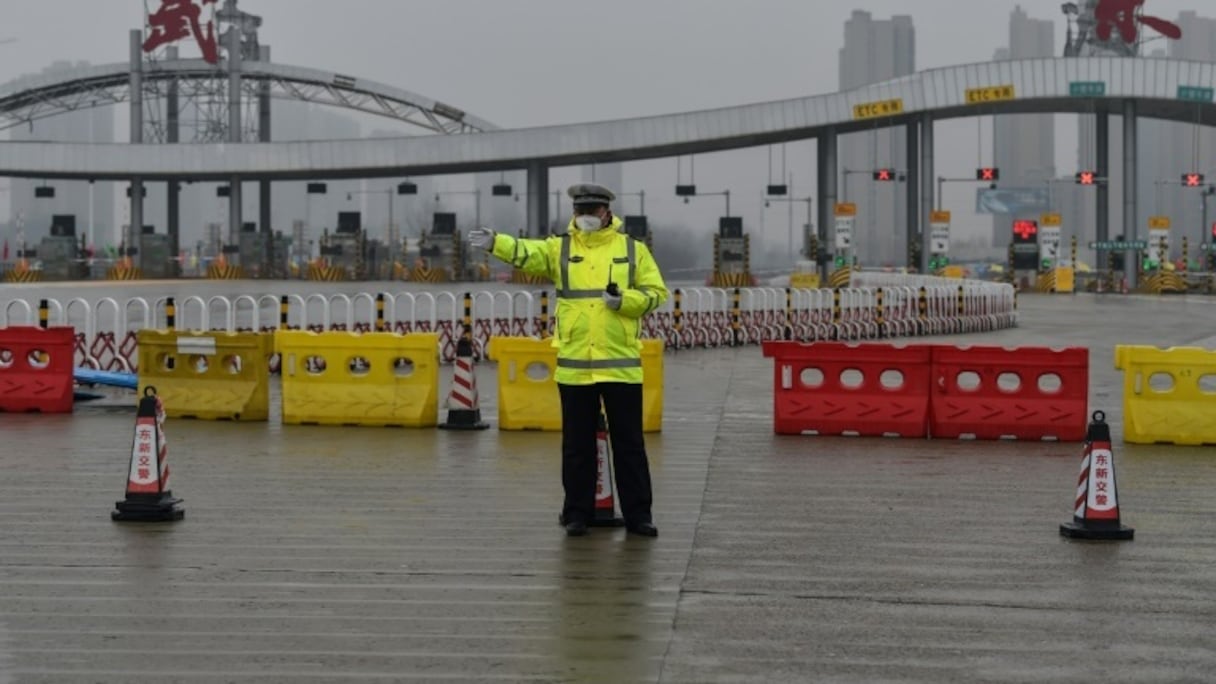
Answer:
(371, 379)
(1169, 395)
(527, 391)
(207, 375)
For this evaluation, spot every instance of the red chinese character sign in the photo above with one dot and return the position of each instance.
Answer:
(1122, 15)
(178, 19)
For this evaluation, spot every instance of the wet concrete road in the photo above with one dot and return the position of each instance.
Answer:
(331, 555)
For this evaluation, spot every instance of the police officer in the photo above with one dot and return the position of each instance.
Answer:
(605, 283)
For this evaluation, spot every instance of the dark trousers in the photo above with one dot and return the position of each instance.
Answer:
(580, 411)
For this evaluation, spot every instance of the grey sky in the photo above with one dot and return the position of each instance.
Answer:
(536, 62)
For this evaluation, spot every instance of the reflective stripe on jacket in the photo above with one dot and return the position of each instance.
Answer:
(594, 343)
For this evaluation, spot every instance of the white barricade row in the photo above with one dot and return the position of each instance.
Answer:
(879, 305)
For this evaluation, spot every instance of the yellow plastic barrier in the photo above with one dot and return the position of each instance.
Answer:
(1169, 395)
(652, 385)
(1066, 279)
(527, 392)
(207, 375)
(373, 379)
(804, 281)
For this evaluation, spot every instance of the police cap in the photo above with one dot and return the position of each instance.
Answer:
(590, 193)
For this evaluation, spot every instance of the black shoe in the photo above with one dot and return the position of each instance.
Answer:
(643, 529)
(576, 528)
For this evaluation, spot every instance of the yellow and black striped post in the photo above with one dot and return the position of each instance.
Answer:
(717, 261)
(836, 307)
(735, 316)
(170, 314)
(747, 260)
(789, 306)
(283, 312)
(962, 305)
(380, 325)
(881, 312)
(468, 313)
(544, 313)
(1009, 272)
(1186, 253)
(678, 316)
(44, 313)
(922, 308)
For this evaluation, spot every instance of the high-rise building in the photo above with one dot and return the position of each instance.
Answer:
(1023, 144)
(91, 203)
(874, 51)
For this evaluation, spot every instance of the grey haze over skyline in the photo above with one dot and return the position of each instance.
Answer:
(542, 62)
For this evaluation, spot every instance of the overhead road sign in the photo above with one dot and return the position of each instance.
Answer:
(875, 110)
(1000, 93)
(1087, 88)
(1118, 245)
(1196, 94)
(1013, 201)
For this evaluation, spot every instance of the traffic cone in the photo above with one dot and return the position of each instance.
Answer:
(605, 501)
(464, 410)
(148, 496)
(1096, 511)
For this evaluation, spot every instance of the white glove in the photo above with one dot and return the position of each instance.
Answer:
(612, 301)
(482, 238)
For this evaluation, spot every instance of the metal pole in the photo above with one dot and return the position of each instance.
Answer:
(727, 203)
(1102, 210)
(927, 199)
(1130, 182)
(790, 206)
(827, 201)
(642, 195)
(234, 132)
(912, 196)
(137, 137)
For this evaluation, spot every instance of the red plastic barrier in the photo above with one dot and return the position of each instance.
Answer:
(832, 388)
(36, 369)
(996, 393)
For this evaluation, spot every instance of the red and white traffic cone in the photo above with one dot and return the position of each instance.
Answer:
(1096, 509)
(148, 496)
(464, 410)
(605, 499)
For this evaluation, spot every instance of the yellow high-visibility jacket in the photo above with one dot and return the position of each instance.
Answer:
(594, 343)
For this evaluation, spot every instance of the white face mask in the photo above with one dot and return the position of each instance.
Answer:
(588, 223)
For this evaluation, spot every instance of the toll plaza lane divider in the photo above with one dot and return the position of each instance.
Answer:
(1169, 395)
(696, 317)
(935, 391)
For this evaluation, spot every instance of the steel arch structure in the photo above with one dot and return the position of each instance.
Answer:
(1156, 88)
(38, 97)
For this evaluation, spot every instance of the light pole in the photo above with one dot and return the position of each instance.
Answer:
(791, 201)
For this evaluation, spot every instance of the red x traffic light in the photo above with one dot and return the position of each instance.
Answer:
(1086, 177)
(988, 174)
(1025, 230)
(885, 175)
(1192, 180)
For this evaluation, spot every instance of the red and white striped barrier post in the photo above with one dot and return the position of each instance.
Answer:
(464, 409)
(605, 490)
